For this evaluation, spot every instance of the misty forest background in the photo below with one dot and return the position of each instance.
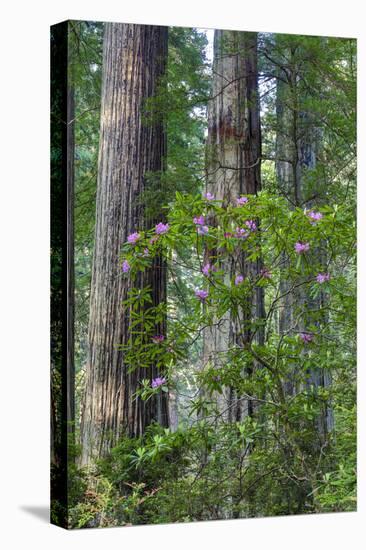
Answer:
(212, 303)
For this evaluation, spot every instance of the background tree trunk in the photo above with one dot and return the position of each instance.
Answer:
(233, 168)
(70, 256)
(298, 146)
(134, 59)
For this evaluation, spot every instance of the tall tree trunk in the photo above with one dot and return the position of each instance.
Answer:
(286, 155)
(298, 145)
(233, 168)
(134, 59)
(70, 256)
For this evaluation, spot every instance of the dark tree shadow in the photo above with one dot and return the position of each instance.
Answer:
(40, 512)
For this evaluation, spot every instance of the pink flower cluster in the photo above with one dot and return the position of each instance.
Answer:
(202, 229)
(207, 269)
(241, 201)
(158, 339)
(241, 233)
(239, 279)
(314, 216)
(251, 225)
(133, 238)
(301, 248)
(200, 220)
(126, 266)
(161, 228)
(201, 294)
(154, 239)
(159, 381)
(208, 197)
(322, 277)
(306, 337)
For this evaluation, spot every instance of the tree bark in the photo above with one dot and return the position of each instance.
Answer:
(233, 168)
(134, 59)
(70, 256)
(298, 145)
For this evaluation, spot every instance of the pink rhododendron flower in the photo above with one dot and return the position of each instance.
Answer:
(158, 339)
(159, 381)
(241, 200)
(251, 224)
(239, 279)
(241, 233)
(206, 269)
(323, 277)
(133, 238)
(300, 247)
(209, 197)
(201, 294)
(153, 240)
(314, 216)
(200, 220)
(126, 267)
(146, 251)
(161, 228)
(202, 229)
(306, 337)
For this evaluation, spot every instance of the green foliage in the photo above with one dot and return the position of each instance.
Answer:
(85, 67)
(308, 88)
(337, 490)
(215, 471)
(181, 105)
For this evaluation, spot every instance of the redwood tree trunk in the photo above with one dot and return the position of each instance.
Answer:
(298, 146)
(70, 177)
(134, 59)
(233, 168)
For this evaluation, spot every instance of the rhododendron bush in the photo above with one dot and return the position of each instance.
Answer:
(283, 244)
(217, 468)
